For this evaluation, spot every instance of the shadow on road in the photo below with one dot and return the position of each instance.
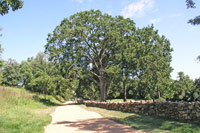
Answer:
(99, 125)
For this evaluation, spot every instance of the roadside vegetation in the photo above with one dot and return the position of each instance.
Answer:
(147, 123)
(24, 112)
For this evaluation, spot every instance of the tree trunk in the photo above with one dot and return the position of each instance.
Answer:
(24, 84)
(124, 75)
(102, 85)
(124, 88)
(158, 94)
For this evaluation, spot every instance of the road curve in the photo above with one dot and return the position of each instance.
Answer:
(70, 118)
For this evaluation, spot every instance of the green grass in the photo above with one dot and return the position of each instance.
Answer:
(146, 123)
(23, 112)
(117, 100)
(121, 100)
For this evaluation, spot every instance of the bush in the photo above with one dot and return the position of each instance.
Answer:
(59, 98)
(47, 100)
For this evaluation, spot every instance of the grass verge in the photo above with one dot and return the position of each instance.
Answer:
(117, 100)
(23, 112)
(146, 123)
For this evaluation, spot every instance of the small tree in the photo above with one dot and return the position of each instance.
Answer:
(1, 64)
(11, 73)
(26, 72)
(183, 87)
(195, 94)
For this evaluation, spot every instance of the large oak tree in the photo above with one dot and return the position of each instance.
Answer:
(86, 40)
(111, 49)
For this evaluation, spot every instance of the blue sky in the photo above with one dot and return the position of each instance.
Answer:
(25, 31)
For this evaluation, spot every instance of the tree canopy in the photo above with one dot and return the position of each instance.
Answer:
(85, 40)
(182, 87)
(105, 46)
(11, 73)
(6, 5)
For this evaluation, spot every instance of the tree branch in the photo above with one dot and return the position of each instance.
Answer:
(94, 74)
(92, 60)
(93, 50)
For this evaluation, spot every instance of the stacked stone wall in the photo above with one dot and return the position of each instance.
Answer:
(177, 110)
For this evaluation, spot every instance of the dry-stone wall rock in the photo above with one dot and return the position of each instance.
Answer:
(176, 110)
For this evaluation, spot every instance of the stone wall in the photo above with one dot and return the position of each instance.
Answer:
(177, 110)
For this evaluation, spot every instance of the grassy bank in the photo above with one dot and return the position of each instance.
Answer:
(23, 112)
(146, 123)
(117, 100)
(121, 100)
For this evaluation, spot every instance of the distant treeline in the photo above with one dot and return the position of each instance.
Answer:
(42, 76)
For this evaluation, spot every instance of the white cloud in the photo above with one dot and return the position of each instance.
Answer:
(137, 8)
(155, 20)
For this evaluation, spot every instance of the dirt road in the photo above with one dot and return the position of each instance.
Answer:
(71, 119)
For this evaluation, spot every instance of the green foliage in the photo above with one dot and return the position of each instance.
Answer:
(87, 88)
(85, 40)
(11, 74)
(1, 63)
(125, 52)
(47, 100)
(39, 75)
(183, 87)
(116, 53)
(44, 77)
(26, 72)
(59, 98)
(5, 5)
(195, 93)
(151, 73)
(160, 99)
